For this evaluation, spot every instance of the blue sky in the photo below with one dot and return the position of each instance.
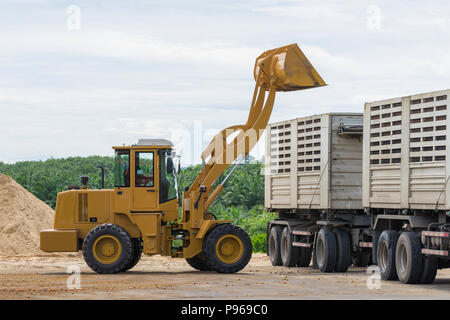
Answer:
(143, 69)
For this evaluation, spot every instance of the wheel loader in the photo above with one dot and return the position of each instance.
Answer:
(113, 227)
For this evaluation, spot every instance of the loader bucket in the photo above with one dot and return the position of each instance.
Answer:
(287, 68)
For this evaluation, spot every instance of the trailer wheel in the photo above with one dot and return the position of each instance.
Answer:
(408, 257)
(197, 262)
(362, 260)
(326, 250)
(304, 257)
(274, 246)
(289, 253)
(386, 254)
(375, 237)
(227, 248)
(137, 253)
(343, 256)
(108, 248)
(430, 266)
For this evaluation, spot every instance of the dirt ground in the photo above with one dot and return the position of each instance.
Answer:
(155, 277)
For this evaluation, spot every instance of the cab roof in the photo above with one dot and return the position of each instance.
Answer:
(154, 143)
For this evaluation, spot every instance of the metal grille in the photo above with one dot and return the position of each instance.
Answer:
(428, 129)
(82, 207)
(385, 133)
(280, 148)
(308, 138)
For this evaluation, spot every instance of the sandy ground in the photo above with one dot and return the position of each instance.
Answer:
(45, 277)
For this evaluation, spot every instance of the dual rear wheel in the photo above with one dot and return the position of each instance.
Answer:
(399, 257)
(283, 253)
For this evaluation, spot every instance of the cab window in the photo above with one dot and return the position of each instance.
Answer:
(122, 168)
(144, 169)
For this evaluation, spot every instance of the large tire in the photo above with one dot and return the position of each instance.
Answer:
(137, 253)
(326, 250)
(274, 246)
(344, 254)
(408, 257)
(362, 259)
(430, 266)
(227, 248)
(108, 248)
(197, 262)
(304, 257)
(289, 253)
(375, 237)
(386, 254)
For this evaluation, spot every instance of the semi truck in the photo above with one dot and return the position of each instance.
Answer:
(363, 188)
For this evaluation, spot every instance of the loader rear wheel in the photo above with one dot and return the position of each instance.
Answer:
(326, 250)
(108, 248)
(227, 248)
(274, 246)
(137, 253)
(289, 253)
(197, 262)
(343, 256)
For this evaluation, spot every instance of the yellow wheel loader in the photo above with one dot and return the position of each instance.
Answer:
(113, 227)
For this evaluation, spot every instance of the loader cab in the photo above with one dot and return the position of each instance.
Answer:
(145, 178)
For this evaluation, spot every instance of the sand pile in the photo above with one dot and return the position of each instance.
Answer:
(22, 217)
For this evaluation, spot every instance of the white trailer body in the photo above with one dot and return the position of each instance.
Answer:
(315, 163)
(406, 155)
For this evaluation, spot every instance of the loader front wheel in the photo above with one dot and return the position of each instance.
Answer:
(108, 248)
(227, 248)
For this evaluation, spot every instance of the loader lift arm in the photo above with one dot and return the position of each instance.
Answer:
(281, 69)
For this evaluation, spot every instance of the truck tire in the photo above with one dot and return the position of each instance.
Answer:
(361, 260)
(430, 266)
(137, 253)
(386, 254)
(408, 257)
(108, 248)
(343, 254)
(375, 237)
(197, 262)
(274, 246)
(304, 257)
(289, 253)
(326, 250)
(227, 248)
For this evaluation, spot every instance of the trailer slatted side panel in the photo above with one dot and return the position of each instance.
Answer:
(309, 165)
(406, 153)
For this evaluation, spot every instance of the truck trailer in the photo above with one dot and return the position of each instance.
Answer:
(353, 188)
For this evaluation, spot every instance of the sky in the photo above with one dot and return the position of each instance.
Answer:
(78, 77)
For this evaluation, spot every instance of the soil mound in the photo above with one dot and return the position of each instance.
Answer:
(22, 218)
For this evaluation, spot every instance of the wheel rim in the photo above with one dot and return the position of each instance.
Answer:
(229, 249)
(284, 244)
(384, 256)
(403, 258)
(107, 249)
(271, 246)
(320, 251)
